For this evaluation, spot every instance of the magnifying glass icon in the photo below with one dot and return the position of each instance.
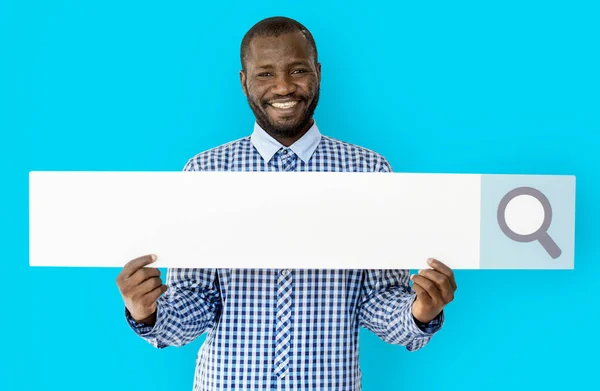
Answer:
(540, 234)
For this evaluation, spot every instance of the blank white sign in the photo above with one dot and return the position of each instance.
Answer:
(319, 220)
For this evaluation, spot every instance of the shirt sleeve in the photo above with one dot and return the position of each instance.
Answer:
(386, 309)
(189, 308)
(386, 303)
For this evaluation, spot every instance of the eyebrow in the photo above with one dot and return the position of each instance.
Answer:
(303, 63)
(264, 67)
(295, 63)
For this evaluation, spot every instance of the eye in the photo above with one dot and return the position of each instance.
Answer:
(264, 74)
(299, 71)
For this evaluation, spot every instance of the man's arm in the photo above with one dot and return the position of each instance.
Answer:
(385, 308)
(189, 308)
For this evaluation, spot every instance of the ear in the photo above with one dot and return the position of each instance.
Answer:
(319, 71)
(243, 81)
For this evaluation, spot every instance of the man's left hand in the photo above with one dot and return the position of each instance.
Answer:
(435, 288)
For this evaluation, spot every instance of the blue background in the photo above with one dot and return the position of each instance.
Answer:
(448, 87)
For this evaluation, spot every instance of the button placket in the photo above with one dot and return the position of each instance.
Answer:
(283, 324)
(288, 160)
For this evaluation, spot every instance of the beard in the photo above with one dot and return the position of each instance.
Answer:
(285, 129)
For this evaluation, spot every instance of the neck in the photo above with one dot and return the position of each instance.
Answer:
(287, 141)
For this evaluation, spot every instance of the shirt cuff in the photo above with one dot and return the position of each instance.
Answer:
(425, 329)
(144, 330)
(431, 326)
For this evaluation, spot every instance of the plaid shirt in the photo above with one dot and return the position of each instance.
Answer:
(284, 329)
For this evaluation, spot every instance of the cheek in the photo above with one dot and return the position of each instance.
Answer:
(256, 91)
(310, 85)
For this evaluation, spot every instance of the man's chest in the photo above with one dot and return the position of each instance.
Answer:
(308, 289)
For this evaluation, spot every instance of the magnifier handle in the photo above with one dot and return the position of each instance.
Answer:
(550, 246)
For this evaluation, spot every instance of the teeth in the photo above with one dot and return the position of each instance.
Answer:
(285, 105)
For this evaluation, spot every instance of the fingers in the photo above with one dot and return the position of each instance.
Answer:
(430, 287)
(132, 266)
(142, 275)
(148, 286)
(153, 295)
(134, 273)
(422, 293)
(441, 281)
(442, 268)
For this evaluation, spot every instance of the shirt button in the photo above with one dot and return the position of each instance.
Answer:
(285, 272)
(285, 151)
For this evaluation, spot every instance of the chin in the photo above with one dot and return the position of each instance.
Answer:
(285, 123)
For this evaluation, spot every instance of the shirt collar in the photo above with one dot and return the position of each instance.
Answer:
(267, 146)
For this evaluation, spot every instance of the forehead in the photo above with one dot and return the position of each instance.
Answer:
(283, 48)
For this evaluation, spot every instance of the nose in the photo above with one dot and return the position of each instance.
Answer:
(283, 85)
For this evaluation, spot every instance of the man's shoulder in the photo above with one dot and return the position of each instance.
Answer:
(349, 147)
(212, 158)
(375, 160)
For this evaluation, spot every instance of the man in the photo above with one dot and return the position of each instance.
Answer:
(283, 329)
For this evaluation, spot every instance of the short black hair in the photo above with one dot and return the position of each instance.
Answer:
(274, 27)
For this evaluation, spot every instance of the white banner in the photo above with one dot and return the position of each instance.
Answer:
(314, 220)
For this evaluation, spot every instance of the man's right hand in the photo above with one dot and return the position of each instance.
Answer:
(140, 287)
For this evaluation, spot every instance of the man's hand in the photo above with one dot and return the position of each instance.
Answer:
(435, 288)
(140, 287)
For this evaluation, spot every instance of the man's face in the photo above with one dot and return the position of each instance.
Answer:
(281, 83)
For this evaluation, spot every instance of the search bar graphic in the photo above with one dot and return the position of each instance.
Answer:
(311, 220)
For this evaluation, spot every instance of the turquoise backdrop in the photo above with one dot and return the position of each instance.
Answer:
(508, 87)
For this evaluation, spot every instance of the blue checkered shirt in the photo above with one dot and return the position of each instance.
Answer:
(272, 329)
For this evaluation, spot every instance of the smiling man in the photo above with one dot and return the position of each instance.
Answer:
(283, 329)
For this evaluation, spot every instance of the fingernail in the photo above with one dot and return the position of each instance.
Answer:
(429, 261)
(412, 276)
(153, 257)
